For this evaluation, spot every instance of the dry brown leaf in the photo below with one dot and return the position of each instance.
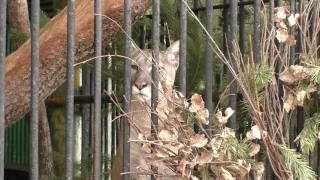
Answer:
(287, 77)
(283, 25)
(312, 88)
(238, 170)
(300, 97)
(228, 133)
(291, 41)
(226, 175)
(161, 153)
(292, 19)
(228, 112)
(196, 103)
(258, 169)
(289, 103)
(199, 140)
(202, 116)
(299, 72)
(254, 133)
(216, 142)
(167, 87)
(218, 115)
(204, 158)
(282, 35)
(166, 135)
(280, 14)
(254, 149)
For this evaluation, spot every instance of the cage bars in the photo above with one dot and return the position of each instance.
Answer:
(34, 121)
(127, 88)
(3, 33)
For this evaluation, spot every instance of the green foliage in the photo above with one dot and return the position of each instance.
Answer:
(297, 164)
(237, 149)
(314, 71)
(81, 170)
(17, 35)
(308, 137)
(20, 36)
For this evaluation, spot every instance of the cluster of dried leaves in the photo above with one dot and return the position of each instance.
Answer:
(285, 20)
(298, 86)
(191, 155)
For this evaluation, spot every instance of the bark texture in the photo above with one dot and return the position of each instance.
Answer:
(53, 52)
(46, 162)
(18, 17)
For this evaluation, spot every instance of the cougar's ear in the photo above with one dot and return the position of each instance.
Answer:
(173, 53)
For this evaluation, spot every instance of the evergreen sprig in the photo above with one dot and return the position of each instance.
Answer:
(296, 163)
(308, 137)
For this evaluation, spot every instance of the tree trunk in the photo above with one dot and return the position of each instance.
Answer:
(18, 17)
(45, 161)
(53, 53)
(19, 20)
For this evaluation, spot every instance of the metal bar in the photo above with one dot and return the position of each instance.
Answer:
(196, 3)
(3, 33)
(242, 48)
(70, 90)
(183, 48)
(85, 117)
(34, 121)
(241, 27)
(225, 37)
(209, 64)
(292, 135)
(97, 95)
(257, 32)
(127, 88)
(155, 63)
(142, 40)
(233, 87)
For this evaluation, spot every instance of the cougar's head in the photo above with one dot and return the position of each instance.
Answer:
(141, 77)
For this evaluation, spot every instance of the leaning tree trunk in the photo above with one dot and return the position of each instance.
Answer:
(53, 53)
(18, 17)
(45, 147)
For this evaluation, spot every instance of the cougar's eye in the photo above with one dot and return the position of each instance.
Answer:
(135, 67)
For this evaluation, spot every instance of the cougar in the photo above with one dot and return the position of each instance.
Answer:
(140, 104)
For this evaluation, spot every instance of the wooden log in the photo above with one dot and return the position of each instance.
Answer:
(53, 52)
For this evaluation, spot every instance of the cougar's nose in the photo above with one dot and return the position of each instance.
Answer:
(140, 85)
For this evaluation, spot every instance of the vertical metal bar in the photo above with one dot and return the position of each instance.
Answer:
(97, 95)
(155, 75)
(241, 27)
(257, 31)
(3, 30)
(271, 25)
(292, 135)
(127, 88)
(183, 48)
(70, 90)
(269, 172)
(209, 64)
(233, 87)
(85, 116)
(225, 37)
(142, 42)
(34, 123)
(292, 48)
(241, 44)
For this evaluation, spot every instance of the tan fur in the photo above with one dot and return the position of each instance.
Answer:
(168, 64)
